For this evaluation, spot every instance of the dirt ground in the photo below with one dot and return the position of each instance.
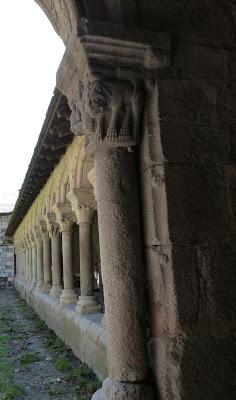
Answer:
(34, 363)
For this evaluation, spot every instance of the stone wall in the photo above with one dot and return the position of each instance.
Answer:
(6, 250)
(189, 193)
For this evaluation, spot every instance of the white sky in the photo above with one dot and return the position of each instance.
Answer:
(30, 55)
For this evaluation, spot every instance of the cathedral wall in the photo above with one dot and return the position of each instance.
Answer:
(6, 250)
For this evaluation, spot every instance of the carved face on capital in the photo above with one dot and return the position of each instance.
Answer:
(98, 97)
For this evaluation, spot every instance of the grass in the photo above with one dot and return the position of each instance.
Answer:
(55, 344)
(75, 374)
(29, 358)
(8, 389)
(84, 381)
(63, 364)
(54, 391)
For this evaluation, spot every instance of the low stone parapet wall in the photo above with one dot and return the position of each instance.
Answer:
(84, 334)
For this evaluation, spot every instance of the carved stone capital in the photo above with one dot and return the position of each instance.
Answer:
(53, 228)
(102, 74)
(43, 229)
(84, 215)
(81, 198)
(37, 235)
(108, 111)
(32, 239)
(64, 216)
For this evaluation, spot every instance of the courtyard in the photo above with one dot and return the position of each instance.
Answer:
(34, 362)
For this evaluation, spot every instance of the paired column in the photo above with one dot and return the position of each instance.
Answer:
(30, 269)
(34, 260)
(56, 289)
(65, 219)
(39, 258)
(47, 273)
(87, 303)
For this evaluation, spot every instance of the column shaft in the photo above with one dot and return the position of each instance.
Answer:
(87, 302)
(56, 267)
(68, 295)
(47, 273)
(123, 281)
(39, 264)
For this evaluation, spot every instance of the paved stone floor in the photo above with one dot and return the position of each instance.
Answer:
(34, 363)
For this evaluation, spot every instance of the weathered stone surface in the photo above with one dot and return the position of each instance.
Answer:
(6, 249)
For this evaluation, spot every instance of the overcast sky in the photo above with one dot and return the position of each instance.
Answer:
(30, 55)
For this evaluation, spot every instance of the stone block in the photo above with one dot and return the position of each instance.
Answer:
(205, 62)
(197, 367)
(196, 200)
(187, 100)
(185, 142)
(217, 280)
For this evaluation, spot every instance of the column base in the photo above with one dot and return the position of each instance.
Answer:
(33, 285)
(39, 285)
(68, 296)
(46, 287)
(87, 305)
(56, 291)
(104, 321)
(114, 390)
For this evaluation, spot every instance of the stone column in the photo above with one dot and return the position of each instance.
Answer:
(27, 261)
(87, 303)
(34, 260)
(39, 261)
(47, 272)
(109, 112)
(56, 289)
(65, 219)
(17, 277)
(30, 269)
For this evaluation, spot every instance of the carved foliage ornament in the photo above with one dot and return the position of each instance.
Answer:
(108, 111)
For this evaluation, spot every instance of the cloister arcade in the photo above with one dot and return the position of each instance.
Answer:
(128, 206)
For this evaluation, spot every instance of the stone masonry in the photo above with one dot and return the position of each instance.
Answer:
(139, 147)
(6, 250)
